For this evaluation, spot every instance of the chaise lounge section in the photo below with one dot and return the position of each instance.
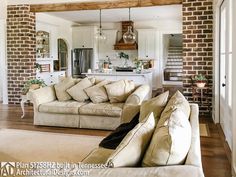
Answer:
(192, 166)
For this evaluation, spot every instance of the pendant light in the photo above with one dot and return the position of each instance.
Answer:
(100, 35)
(129, 36)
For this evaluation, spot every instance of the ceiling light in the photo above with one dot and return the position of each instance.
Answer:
(100, 35)
(129, 37)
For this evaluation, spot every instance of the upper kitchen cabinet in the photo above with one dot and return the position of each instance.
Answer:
(46, 42)
(105, 48)
(83, 36)
(147, 43)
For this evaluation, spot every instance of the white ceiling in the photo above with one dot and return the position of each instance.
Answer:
(171, 12)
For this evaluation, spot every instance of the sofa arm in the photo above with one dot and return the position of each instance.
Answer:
(133, 102)
(138, 95)
(128, 113)
(42, 95)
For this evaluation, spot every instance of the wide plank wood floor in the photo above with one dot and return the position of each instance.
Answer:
(215, 152)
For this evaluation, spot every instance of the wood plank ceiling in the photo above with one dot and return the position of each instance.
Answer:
(100, 5)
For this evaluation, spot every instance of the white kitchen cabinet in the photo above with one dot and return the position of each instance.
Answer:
(83, 37)
(106, 48)
(50, 78)
(147, 44)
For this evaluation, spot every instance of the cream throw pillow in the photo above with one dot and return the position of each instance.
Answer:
(77, 91)
(170, 142)
(155, 105)
(61, 88)
(177, 101)
(97, 93)
(131, 149)
(119, 91)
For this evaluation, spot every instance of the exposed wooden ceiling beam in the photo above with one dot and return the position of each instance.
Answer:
(100, 5)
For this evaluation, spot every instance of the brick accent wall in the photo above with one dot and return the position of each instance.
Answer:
(197, 44)
(21, 54)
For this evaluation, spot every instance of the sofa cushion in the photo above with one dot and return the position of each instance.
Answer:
(170, 142)
(119, 91)
(131, 149)
(97, 93)
(102, 109)
(97, 156)
(61, 88)
(77, 91)
(155, 105)
(65, 107)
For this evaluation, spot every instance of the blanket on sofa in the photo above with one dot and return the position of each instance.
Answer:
(114, 139)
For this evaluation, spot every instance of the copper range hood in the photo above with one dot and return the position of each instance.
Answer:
(121, 45)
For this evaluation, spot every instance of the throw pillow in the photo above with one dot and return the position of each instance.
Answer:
(170, 143)
(97, 93)
(119, 91)
(114, 139)
(130, 151)
(177, 101)
(61, 88)
(77, 91)
(155, 105)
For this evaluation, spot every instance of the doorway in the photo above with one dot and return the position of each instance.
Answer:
(173, 59)
(226, 70)
(62, 62)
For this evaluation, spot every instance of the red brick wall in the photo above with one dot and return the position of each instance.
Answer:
(21, 54)
(197, 43)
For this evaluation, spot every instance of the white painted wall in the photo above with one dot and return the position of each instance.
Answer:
(61, 29)
(3, 65)
(166, 43)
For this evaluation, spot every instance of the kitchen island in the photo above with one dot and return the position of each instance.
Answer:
(144, 77)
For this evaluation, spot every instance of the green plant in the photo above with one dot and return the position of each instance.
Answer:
(31, 82)
(138, 63)
(124, 55)
(200, 78)
(37, 66)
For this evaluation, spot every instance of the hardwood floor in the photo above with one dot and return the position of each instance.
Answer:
(215, 152)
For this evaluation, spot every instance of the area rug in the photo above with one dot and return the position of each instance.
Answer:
(34, 146)
(204, 130)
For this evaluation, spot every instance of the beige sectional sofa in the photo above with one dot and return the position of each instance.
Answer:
(49, 111)
(192, 166)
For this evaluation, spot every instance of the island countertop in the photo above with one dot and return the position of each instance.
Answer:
(114, 73)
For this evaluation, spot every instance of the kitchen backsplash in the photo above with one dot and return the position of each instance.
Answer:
(116, 60)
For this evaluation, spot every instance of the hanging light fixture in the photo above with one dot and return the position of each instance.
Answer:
(100, 35)
(129, 37)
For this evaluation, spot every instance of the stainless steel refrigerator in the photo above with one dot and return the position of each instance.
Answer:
(82, 59)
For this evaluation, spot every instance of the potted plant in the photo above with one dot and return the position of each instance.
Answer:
(200, 80)
(126, 57)
(33, 84)
(37, 67)
(138, 64)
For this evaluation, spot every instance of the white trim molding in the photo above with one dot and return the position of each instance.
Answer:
(233, 6)
(216, 70)
(3, 61)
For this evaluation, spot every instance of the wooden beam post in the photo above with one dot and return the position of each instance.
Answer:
(100, 5)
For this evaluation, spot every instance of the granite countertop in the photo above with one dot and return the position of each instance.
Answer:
(120, 73)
